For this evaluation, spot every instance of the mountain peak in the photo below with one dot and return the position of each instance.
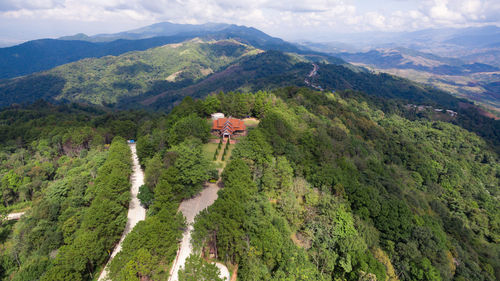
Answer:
(78, 36)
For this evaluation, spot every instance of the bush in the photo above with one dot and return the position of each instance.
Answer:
(214, 174)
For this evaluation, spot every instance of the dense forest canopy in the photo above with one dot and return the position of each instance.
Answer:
(328, 186)
(159, 78)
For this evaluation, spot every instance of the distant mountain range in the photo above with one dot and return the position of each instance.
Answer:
(153, 84)
(462, 61)
(472, 44)
(44, 54)
(474, 81)
(208, 31)
(470, 37)
(405, 58)
(154, 30)
(162, 76)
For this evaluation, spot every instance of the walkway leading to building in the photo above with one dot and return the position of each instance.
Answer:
(136, 212)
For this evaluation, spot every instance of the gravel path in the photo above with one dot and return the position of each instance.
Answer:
(136, 212)
(15, 216)
(224, 272)
(190, 208)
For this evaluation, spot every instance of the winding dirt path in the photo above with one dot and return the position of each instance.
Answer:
(136, 212)
(309, 80)
(190, 208)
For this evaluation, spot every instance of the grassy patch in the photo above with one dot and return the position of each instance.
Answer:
(228, 155)
(251, 122)
(209, 150)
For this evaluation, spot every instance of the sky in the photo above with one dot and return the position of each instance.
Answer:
(313, 20)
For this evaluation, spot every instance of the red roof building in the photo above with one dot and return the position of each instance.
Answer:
(228, 126)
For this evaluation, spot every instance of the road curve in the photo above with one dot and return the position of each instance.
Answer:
(224, 272)
(136, 212)
(190, 208)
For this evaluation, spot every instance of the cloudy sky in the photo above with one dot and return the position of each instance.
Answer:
(292, 19)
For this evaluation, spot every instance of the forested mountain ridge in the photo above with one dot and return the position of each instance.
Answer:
(107, 80)
(173, 70)
(161, 77)
(344, 174)
(44, 54)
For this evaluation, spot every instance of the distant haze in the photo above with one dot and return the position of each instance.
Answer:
(316, 20)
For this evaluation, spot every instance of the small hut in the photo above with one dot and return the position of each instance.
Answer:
(217, 115)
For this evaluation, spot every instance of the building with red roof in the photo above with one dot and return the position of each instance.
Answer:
(227, 127)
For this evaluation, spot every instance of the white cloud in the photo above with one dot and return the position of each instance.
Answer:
(291, 19)
(462, 12)
(442, 13)
(9, 5)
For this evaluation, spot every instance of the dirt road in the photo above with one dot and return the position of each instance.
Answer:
(190, 208)
(136, 212)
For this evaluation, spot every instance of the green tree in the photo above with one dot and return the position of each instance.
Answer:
(197, 269)
(153, 171)
(191, 168)
(140, 267)
(187, 127)
(211, 105)
(145, 196)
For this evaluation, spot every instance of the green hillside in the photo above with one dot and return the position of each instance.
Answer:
(267, 70)
(109, 79)
(331, 187)
(44, 54)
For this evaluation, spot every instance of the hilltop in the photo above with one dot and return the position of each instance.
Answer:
(327, 186)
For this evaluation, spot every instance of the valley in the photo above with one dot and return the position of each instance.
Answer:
(463, 62)
(473, 82)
